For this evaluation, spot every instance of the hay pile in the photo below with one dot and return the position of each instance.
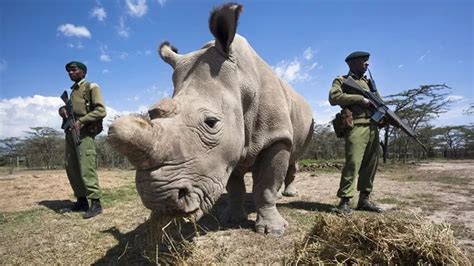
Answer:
(365, 238)
(168, 242)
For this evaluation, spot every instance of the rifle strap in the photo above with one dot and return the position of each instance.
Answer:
(88, 96)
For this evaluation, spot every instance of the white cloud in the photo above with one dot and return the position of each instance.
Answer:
(112, 114)
(455, 98)
(146, 52)
(99, 13)
(123, 55)
(104, 56)
(137, 8)
(315, 64)
(77, 46)
(299, 69)
(3, 64)
(291, 71)
(400, 66)
(105, 71)
(421, 58)
(162, 2)
(71, 30)
(122, 29)
(325, 115)
(454, 116)
(17, 115)
(308, 53)
(323, 103)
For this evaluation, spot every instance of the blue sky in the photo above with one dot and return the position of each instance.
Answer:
(412, 43)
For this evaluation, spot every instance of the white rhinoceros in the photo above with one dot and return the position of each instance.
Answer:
(229, 114)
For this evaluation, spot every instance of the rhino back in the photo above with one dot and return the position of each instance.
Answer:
(273, 111)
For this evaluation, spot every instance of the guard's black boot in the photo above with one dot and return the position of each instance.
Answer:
(81, 205)
(94, 210)
(365, 205)
(343, 207)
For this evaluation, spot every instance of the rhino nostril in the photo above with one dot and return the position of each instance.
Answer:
(182, 193)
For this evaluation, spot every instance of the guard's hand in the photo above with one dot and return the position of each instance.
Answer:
(77, 125)
(366, 103)
(62, 112)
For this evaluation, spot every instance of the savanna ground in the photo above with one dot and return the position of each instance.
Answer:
(33, 231)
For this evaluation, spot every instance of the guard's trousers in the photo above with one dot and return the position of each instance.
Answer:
(362, 150)
(81, 167)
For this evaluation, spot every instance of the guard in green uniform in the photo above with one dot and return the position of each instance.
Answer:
(81, 167)
(362, 148)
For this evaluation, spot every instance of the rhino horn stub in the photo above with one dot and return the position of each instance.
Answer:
(133, 136)
(169, 53)
(164, 108)
(223, 25)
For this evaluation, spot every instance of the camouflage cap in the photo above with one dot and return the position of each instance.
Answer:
(77, 64)
(357, 54)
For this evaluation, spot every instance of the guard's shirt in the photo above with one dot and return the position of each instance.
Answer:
(96, 105)
(337, 96)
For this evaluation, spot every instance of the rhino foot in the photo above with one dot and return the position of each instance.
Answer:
(269, 221)
(290, 191)
(234, 215)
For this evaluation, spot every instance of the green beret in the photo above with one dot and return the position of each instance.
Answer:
(357, 54)
(77, 64)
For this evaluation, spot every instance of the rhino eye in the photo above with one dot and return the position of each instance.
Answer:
(211, 121)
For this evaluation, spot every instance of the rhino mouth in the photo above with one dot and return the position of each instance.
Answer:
(176, 196)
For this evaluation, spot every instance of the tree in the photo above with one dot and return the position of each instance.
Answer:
(44, 147)
(109, 157)
(10, 149)
(324, 144)
(416, 107)
(469, 110)
(454, 141)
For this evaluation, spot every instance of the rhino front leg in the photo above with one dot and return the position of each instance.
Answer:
(235, 212)
(290, 189)
(268, 175)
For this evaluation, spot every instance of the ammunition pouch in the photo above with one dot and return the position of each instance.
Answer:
(92, 128)
(342, 122)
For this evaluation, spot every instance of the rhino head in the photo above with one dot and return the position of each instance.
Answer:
(186, 149)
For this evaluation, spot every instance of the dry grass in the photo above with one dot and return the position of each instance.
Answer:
(392, 238)
(166, 243)
(33, 232)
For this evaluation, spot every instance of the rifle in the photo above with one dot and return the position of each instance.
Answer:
(381, 109)
(70, 120)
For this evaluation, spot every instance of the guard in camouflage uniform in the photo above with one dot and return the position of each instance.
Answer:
(89, 110)
(362, 148)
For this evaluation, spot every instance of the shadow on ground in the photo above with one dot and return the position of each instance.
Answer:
(58, 206)
(308, 206)
(138, 247)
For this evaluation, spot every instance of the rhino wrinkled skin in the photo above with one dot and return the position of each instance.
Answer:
(229, 114)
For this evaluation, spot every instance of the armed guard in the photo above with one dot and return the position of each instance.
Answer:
(361, 135)
(82, 121)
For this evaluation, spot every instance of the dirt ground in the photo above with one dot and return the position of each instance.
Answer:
(437, 191)
(25, 189)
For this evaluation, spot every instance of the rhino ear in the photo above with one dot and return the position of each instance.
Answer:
(223, 24)
(169, 54)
